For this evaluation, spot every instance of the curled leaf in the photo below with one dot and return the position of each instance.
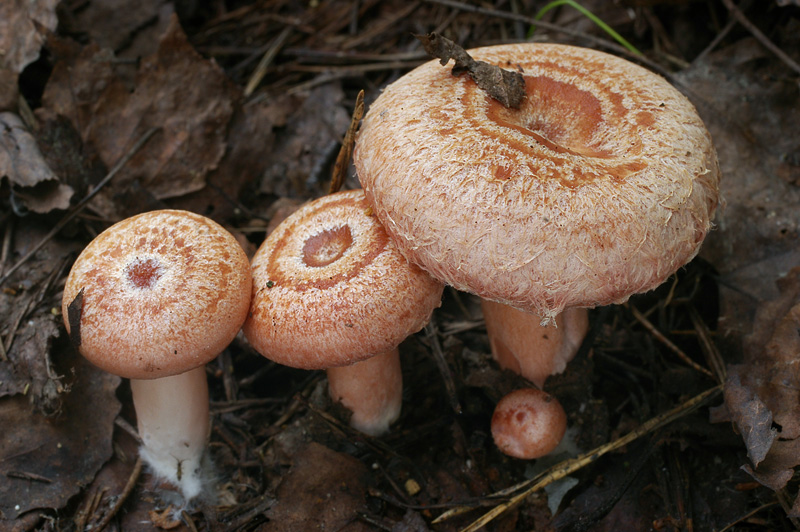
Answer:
(505, 86)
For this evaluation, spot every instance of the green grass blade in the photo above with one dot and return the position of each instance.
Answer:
(591, 16)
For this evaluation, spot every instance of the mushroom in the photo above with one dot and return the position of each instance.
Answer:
(154, 298)
(601, 185)
(528, 423)
(331, 291)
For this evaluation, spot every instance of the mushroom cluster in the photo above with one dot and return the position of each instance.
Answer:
(154, 298)
(331, 291)
(600, 186)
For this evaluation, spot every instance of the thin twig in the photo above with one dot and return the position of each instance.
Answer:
(261, 69)
(82, 204)
(342, 163)
(712, 354)
(715, 41)
(748, 515)
(599, 41)
(126, 491)
(763, 39)
(667, 342)
(568, 467)
(188, 521)
(432, 335)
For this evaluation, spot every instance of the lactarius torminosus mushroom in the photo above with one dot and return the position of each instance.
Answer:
(331, 291)
(601, 185)
(154, 298)
(528, 423)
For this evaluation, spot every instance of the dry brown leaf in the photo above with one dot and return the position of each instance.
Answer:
(34, 184)
(75, 163)
(749, 107)
(23, 28)
(28, 326)
(187, 97)
(46, 461)
(309, 142)
(751, 416)
(505, 86)
(778, 468)
(114, 23)
(324, 490)
(761, 394)
(250, 137)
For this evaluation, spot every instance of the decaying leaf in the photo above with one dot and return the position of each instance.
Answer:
(115, 23)
(250, 137)
(761, 394)
(324, 490)
(505, 86)
(749, 110)
(752, 418)
(35, 185)
(187, 97)
(23, 28)
(303, 150)
(45, 461)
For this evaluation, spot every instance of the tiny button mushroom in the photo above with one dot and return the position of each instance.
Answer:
(331, 291)
(156, 296)
(528, 423)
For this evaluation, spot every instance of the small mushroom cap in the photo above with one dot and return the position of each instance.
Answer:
(160, 293)
(330, 288)
(600, 186)
(528, 423)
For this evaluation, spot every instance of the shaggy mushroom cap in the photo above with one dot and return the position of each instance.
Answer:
(160, 293)
(600, 186)
(330, 288)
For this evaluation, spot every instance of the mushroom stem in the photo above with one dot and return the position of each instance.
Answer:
(174, 424)
(372, 389)
(520, 343)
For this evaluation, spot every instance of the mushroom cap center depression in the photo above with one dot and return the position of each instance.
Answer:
(584, 131)
(326, 247)
(144, 273)
(581, 111)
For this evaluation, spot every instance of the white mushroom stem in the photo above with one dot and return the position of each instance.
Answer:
(174, 424)
(520, 343)
(372, 389)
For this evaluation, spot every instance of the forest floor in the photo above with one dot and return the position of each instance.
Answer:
(682, 404)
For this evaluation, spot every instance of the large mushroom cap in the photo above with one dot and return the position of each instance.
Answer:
(600, 186)
(330, 288)
(160, 293)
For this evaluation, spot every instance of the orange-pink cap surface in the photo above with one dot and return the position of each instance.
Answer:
(160, 293)
(600, 186)
(330, 288)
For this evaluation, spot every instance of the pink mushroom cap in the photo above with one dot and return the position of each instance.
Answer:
(528, 423)
(600, 186)
(158, 294)
(331, 289)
